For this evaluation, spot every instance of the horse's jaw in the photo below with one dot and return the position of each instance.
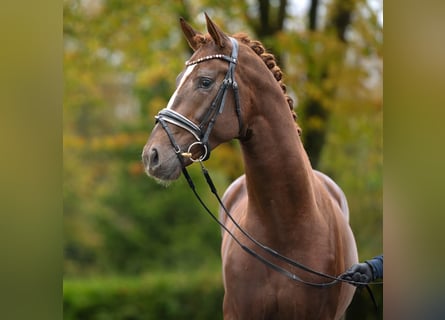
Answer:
(164, 179)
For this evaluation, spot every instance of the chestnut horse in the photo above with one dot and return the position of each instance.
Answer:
(232, 89)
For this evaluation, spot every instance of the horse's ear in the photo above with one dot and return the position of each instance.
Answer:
(216, 33)
(190, 34)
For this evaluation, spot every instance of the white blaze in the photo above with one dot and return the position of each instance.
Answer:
(187, 72)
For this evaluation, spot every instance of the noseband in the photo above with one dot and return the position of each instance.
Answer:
(202, 131)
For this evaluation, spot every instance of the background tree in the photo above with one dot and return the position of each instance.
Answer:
(315, 110)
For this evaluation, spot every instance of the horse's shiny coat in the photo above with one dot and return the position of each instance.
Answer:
(281, 201)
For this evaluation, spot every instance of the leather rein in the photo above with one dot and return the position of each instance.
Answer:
(201, 133)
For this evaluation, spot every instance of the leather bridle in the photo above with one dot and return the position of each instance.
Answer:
(202, 131)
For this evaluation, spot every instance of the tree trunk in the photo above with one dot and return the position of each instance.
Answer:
(315, 137)
(270, 20)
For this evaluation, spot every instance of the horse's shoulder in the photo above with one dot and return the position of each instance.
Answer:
(335, 191)
(236, 189)
(234, 194)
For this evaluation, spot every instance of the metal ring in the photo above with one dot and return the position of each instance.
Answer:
(202, 157)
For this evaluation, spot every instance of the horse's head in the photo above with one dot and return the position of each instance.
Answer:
(204, 110)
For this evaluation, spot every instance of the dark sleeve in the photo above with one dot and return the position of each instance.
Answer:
(376, 265)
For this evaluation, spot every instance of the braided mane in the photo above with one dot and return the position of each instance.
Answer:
(268, 59)
(270, 62)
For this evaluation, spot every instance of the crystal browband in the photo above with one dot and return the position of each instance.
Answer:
(214, 56)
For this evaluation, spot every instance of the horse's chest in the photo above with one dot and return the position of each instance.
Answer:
(263, 302)
(253, 291)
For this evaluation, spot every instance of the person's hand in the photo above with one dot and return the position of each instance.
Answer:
(359, 272)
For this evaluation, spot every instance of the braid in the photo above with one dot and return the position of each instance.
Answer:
(270, 62)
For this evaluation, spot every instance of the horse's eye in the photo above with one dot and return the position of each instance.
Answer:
(205, 83)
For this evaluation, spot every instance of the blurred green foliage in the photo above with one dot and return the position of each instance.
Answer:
(121, 60)
(186, 295)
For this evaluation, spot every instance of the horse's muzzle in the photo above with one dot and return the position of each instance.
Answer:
(161, 164)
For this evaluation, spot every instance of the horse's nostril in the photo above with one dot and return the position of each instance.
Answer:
(150, 158)
(153, 158)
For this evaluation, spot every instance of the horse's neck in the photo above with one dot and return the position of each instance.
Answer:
(278, 172)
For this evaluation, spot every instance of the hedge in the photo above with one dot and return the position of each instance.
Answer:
(158, 296)
(163, 296)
